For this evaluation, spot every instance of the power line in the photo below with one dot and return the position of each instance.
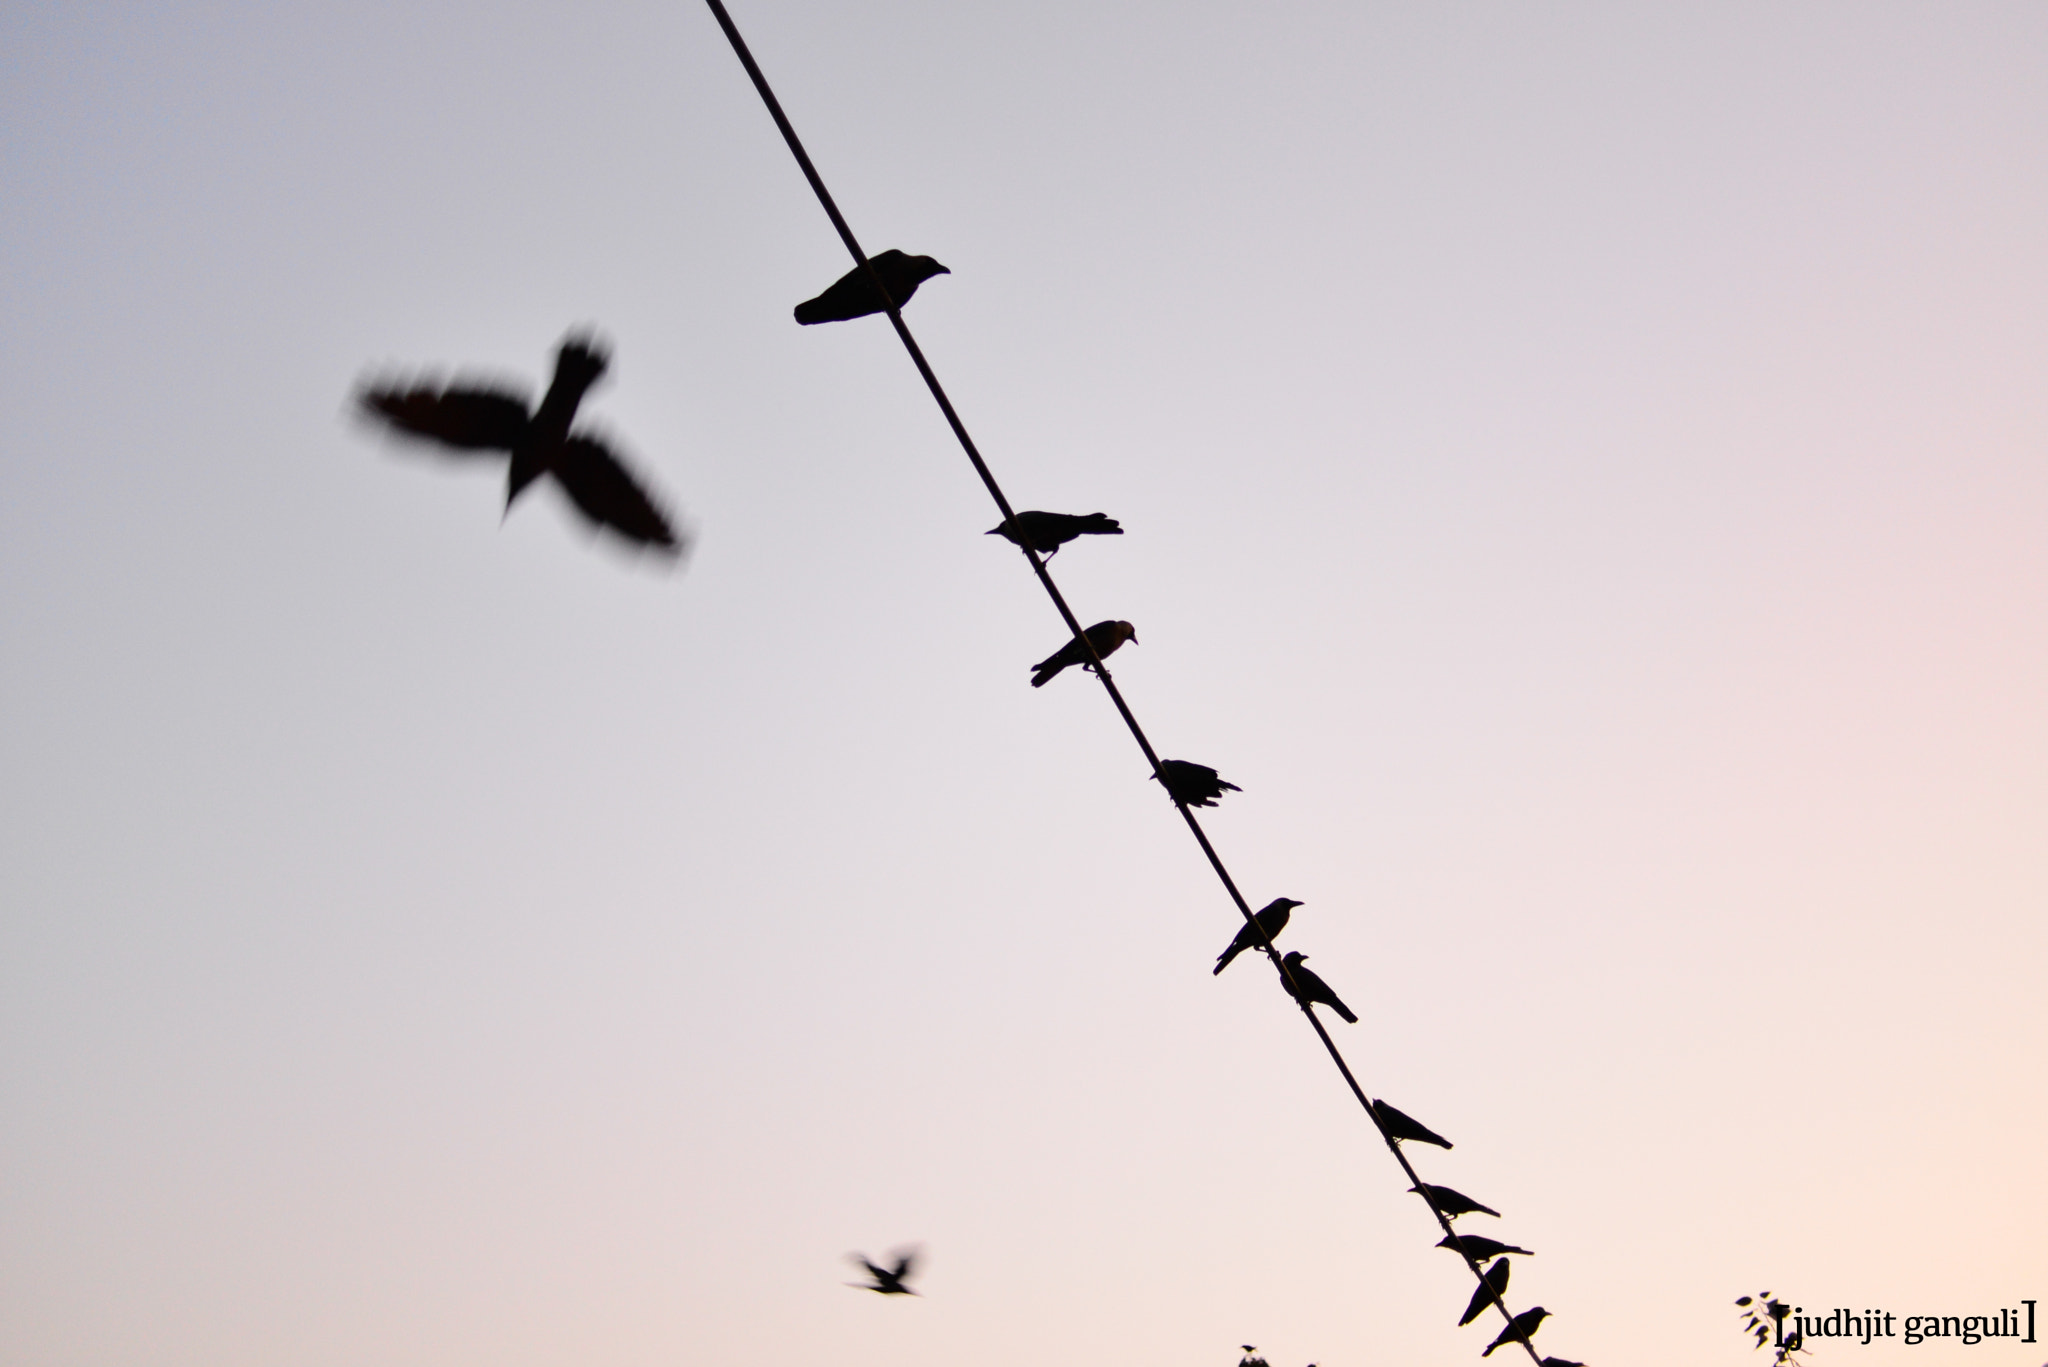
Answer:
(1038, 567)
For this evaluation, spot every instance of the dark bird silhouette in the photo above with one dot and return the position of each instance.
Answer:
(1519, 1329)
(1480, 1247)
(1047, 532)
(1104, 636)
(1496, 1287)
(1560, 1362)
(496, 422)
(1403, 1126)
(1272, 919)
(888, 1281)
(1453, 1203)
(1309, 988)
(1193, 785)
(853, 295)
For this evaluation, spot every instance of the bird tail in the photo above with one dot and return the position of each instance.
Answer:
(1341, 1009)
(814, 311)
(1228, 954)
(1101, 524)
(1047, 672)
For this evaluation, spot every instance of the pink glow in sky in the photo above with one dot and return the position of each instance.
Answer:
(1583, 477)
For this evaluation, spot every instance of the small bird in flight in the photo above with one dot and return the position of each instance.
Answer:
(888, 1281)
(1403, 1126)
(1480, 1247)
(1496, 1286)
(1453, 1203)
(1272, 919)
(1309, 988)
(1519, 1329)
(1047, 532)
(853, 294)
(1104, 636)
(486, 420)
(1192, 785)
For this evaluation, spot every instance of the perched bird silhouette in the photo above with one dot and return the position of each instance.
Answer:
(1496, 1286)
(1480, 1247)
(1193, 785)
(496, 422)
(1403, 1126)
(1309, 988)
(1453, 1203)
(1047, 532)
(1519, 1329)
(1104, 636)
(888, 1281)
(853, 295)
(1272, 919)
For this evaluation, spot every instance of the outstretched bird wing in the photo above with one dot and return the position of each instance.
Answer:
(905, 1260)
(607, 494)
(467, 418)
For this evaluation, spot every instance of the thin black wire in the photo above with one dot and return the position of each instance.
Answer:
(1038, 567)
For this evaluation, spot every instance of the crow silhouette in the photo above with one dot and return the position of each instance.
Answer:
(1309, 988)
(853, 295)
(1402, 1126)
(1192, 785)
(888, 1281)
(1272, 919)
(1104, 636)
(1453, 1203)
(494, 422)
(1496, 1286)
(1047, 532)
(1480, 1247)
(1519, 1329)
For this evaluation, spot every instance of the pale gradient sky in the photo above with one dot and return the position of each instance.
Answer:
(1583, 474)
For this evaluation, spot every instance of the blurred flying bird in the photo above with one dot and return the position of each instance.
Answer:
(1272, 919)
(1403, 1126)
(1047, 532)
(1453, 1203)
(1519, 1329)
(1480, 1247)
(888, 1281)
(853, 295)
(496, 422)
(1104, 636)
(1309, 988)
(1193, 785)
(1496, 1287)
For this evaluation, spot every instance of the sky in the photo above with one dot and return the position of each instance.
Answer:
(1582, 477)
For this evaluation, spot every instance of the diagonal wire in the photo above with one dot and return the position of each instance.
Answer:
(1038, 567)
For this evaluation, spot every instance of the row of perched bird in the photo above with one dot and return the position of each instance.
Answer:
(482, 418)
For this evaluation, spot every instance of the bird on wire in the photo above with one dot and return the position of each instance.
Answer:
(1479, 1247)
(1496, 1286)
(1403, 1126)
(853, 294)
(1453, 1203)
(1193, 785)
(1105, 637)
(1307, 987)
(497, 422)
(1047, 532)
(1518, 1329)
(888, 1281)
(1272, 919)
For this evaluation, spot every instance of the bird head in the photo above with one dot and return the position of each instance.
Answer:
(924, 268)
(1294, 956)
(1125, 631)
(581, 360)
